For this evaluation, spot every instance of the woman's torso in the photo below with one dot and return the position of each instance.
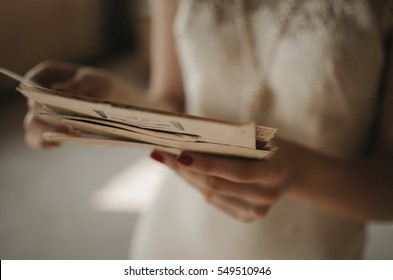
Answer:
(310, 68)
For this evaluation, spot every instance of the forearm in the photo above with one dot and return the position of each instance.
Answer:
(165, 90)
(369, 183)
(361, 189)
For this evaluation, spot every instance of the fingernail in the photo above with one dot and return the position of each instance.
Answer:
(157, 157)
(185, 160)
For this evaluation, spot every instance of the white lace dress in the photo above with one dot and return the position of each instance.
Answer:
(310, 68)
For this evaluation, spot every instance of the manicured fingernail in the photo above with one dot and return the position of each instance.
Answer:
(185, 160)
(157, 156)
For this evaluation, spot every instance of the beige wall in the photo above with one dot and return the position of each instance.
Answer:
(32, 31)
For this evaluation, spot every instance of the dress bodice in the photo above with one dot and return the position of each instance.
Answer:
(310, 68)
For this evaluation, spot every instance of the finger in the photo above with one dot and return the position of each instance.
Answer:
(85, 85)
(37, 111)
(98, 81)
(194, 179)
(250, 192)
(234, 206)
(49, 120)
(268, 172)
(31, 103)
(165, 158)
(237, 208)
(78, 85)
(34, 135)
(48, 73)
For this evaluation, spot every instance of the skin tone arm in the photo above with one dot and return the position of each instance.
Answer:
(166, 86)
(361, 189)
(247, 189)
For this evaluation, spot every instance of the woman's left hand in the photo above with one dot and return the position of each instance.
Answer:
(243, 188)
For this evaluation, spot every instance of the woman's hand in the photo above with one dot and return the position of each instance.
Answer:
(359, 189)
(75, 79)
(82, 81)
(243, 188)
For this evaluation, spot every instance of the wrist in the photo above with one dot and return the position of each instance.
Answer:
(310, 173)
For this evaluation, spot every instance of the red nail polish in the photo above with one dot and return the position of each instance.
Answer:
(157, 156)
(185, 160)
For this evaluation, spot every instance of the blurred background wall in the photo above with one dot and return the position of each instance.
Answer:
(94, 32)
(32, 31)
(48, 199)
(78, 202)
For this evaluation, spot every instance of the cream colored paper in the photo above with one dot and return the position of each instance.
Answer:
(153, 128)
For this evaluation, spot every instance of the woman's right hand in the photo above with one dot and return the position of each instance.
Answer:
(83, 81)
